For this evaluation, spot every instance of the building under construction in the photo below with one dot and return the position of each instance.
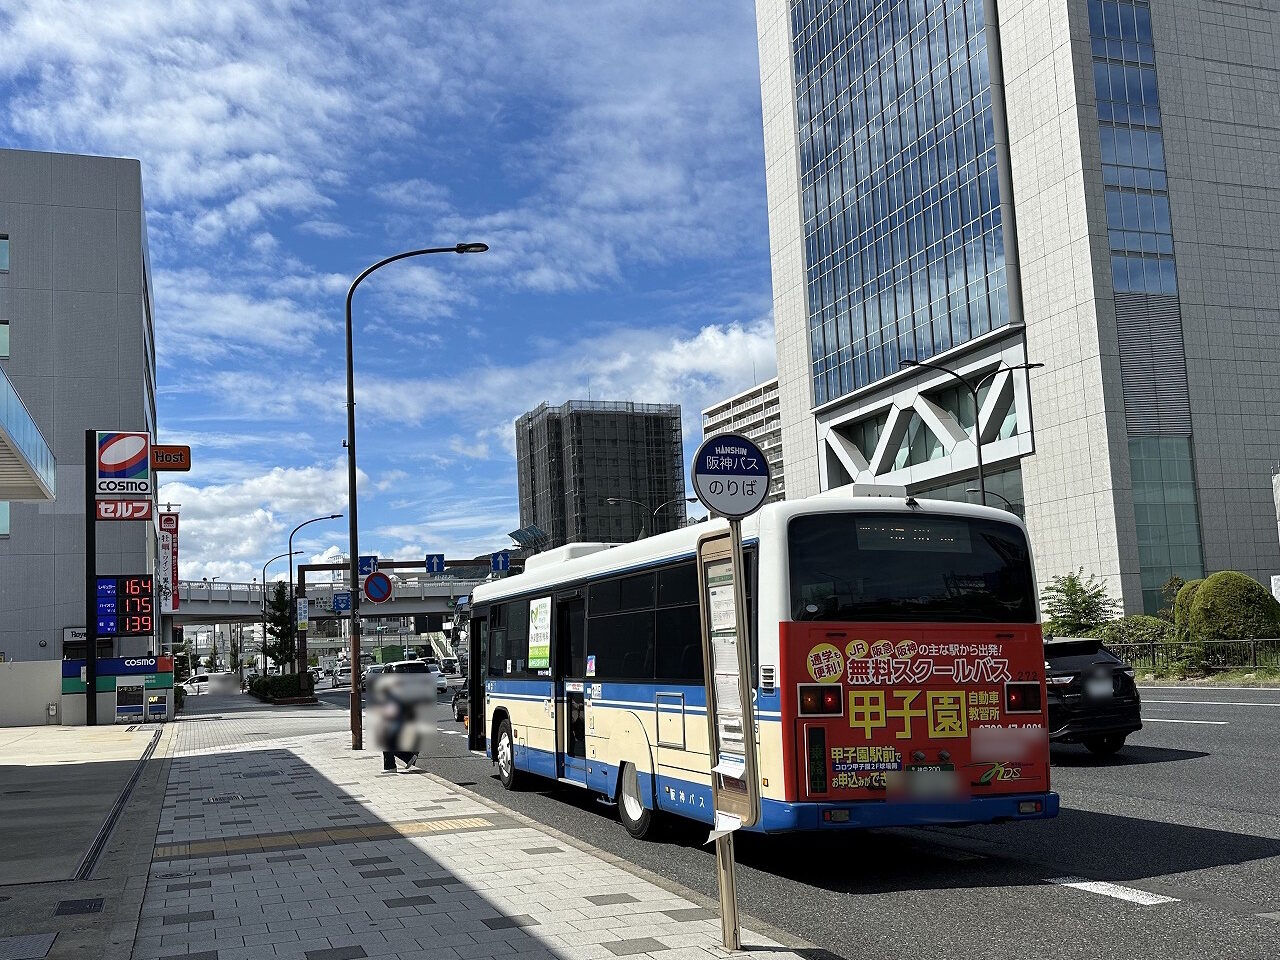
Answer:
(575, 458)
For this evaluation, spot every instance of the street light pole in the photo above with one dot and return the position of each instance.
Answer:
(280, 556)
(293, 601)
(973, 392)
(653, 514)
(357, 731)
(1007, 502)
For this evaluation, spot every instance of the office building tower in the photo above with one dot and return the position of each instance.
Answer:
(1090, 186)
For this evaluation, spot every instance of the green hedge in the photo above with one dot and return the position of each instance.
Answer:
(1232, 606)
(279, 688)
(1136, 629)
(1182, 609)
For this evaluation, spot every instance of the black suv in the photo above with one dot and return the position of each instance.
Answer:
(1092, 697)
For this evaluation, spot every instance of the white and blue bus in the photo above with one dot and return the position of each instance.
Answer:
(894, 644)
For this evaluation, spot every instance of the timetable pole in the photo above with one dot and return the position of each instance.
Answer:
(90, 579)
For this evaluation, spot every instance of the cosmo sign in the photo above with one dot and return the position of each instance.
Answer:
(124, 465)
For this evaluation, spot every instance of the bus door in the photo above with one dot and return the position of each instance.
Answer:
(570, 651)
(477, 670)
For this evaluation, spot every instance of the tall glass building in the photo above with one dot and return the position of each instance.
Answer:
(979, 186)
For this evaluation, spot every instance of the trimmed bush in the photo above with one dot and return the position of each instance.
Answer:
(1232, 606)
(1136, 629)
(278, 688)
(1182, 609)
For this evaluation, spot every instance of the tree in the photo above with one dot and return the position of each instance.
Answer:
(1074, 604)
(209, 665)
(281, 638)
(1168, 596)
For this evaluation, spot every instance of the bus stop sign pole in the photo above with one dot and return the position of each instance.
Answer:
(731, 478)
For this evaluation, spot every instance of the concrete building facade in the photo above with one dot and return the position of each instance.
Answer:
(1089, 185)
(76, 304)
(754, 414)
(572, 460)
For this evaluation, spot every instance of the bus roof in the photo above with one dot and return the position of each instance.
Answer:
(682, 543)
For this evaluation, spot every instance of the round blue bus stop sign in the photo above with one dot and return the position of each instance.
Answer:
(731, 476)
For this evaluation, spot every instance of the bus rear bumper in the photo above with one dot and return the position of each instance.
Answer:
(781, 817)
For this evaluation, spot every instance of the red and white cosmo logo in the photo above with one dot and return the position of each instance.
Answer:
(124, 465)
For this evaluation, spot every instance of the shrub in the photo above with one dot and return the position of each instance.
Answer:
(1232, 606)
(1135, 629)
(1168, 595)
(1074, 605)
(278, 688)
(1182, 609)
(179, 697)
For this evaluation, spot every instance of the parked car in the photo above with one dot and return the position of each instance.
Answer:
(342, 676)
(1092, 697)
(461, 704)
(196, 684)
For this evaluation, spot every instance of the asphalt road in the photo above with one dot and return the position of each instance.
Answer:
(1177, 841)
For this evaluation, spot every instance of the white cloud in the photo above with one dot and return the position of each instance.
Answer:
(230, 529)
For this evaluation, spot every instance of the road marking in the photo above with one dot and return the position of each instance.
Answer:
(1210, 723)
(1213, 689)
(1219, 703)
(1115, 890)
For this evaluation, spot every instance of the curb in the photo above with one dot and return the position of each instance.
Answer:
(788, 940)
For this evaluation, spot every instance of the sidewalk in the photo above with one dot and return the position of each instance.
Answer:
(290, 845)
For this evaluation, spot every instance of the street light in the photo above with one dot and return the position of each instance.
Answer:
(357, 732)
(1006, 500)
(973, 392)
(292, 599)
(280, 556)
(653, 516)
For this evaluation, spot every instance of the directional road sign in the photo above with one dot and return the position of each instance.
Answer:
(342, 603)
(500, 562)
(731, 476)
(435, 563)
(377, 587)
(367, 566)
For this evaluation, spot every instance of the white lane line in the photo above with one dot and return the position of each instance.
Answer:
(1208, 723)
(1115, 890)
(1219, 703)
(1213, 689)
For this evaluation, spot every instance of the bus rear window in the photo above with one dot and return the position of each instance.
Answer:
(909, 567)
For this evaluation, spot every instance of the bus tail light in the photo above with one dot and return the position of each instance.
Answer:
(815, 749)
(1022, 697)
(821, 700)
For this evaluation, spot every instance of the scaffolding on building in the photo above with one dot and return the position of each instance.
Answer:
(574, 458)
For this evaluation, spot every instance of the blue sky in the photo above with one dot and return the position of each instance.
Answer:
(609, 153)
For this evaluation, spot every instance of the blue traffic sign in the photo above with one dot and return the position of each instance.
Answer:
(367, 566)
(377, 587)
(435, 563)
(500, 562)
(341, 602)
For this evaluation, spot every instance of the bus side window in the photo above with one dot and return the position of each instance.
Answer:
(679, 627)
(518, 635)
(498, 640)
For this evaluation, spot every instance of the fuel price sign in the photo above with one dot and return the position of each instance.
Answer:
(126, 606)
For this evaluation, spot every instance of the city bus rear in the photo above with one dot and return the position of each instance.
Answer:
(911, 680)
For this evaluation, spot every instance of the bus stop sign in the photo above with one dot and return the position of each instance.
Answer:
(731, 476)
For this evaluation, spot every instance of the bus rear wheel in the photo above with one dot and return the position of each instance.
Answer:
(505, 754)
(635, 816)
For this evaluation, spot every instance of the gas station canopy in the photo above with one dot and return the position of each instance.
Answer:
(28, 470)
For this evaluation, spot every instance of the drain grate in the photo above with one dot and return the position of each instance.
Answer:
(67, 908)
(30, 947)
(225, 798)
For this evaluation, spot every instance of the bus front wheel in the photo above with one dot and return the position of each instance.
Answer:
(637, 818)
(508, 776)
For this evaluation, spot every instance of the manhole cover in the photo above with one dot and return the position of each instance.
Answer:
(68, 907)
(224, 798)
(172, 876)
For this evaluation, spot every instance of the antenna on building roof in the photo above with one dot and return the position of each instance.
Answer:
(588, 386)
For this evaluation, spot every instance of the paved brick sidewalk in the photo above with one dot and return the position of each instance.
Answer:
(276, 840)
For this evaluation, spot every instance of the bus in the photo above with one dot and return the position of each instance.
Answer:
(896, 656)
